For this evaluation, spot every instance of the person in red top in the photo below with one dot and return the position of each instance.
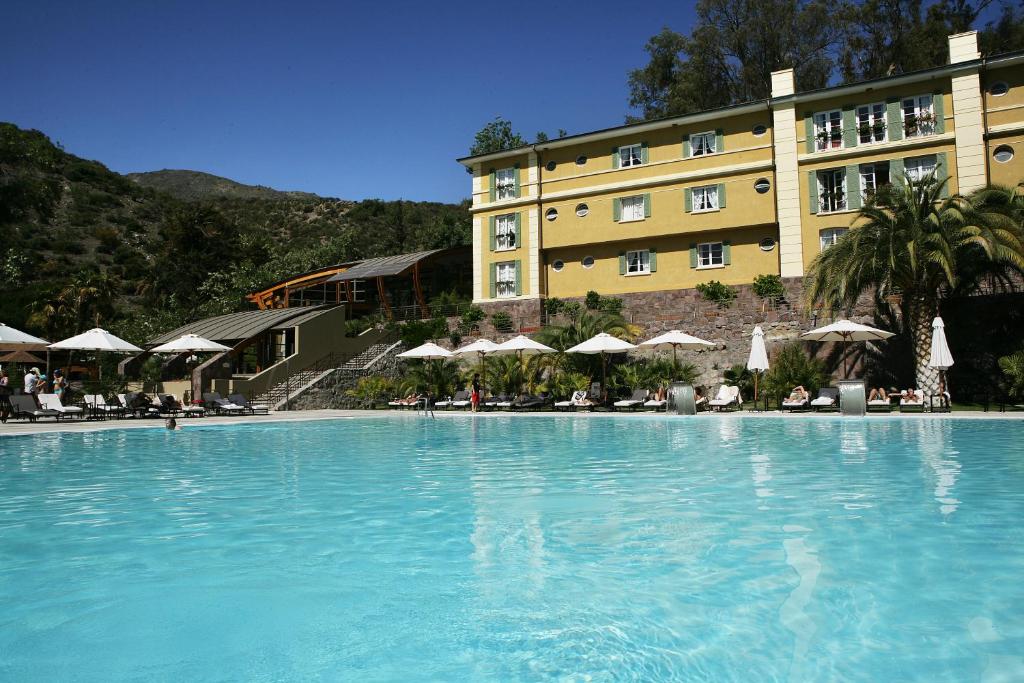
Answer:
(475, 396)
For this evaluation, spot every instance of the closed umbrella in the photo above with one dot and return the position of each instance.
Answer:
(603, 344)
(96, 339)
(676, 340)
(846, 332)
(757, 362)
(941, 358)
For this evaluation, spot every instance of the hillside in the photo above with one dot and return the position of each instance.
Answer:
(192, 186)
(80, 243)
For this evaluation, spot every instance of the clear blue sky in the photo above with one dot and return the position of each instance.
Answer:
(345, 99)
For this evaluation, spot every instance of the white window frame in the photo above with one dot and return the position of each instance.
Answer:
(919, 167)
(838, 203)
(708, 198)
(358, 291)
(916, 106)
(631, 155)
(710, 257)
(830, 122)
(505, 279)
(638, 262)
(703, 144)
(869, 178)
(505, 232)
(871, 114)
(829, 236)
(505, 183)
(636, 206)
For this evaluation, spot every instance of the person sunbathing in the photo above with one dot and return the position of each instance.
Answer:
(410, 400)
(798, 395)
(909, 395)
(878, 394)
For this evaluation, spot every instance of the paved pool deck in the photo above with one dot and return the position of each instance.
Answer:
(22, 427)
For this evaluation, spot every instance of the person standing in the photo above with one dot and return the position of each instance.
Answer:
(475, 396)
(59, 383)
(31, 381)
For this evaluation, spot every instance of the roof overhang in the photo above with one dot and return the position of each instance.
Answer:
(383, 266)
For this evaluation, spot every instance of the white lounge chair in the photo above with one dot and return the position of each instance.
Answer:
(634, 402)
(98, 405)
(913, 405)
(828, 399)
(577, 400)
(52, 402)
(460, 396)
(792, 404)
(727, 398)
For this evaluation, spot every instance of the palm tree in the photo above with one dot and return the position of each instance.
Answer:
(912, 243)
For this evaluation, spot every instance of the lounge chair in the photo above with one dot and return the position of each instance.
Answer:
(793, 404)
(656, 404)
(497, 402)
(570, 404)
(407, 402)
(213, 400)
(126, 402)
(828, 399)
(634, 401)
(460, 397)
(913, 405)
(98, 406)
(881, 405)
(24, 405)
(187, 410)
(529, 402)
(701, 403)
(728, 398)
(251, 408)
(52, 402)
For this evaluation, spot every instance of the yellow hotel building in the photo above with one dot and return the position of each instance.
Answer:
(732, 193)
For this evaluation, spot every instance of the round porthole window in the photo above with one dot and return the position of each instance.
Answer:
(767, 244)
(588, 262)
(558, 265)
(581, 159)
(1003, 153)
(551, 214)
(760, 129)
(550, 166)
(999, 89)
(762, 185)
(582, 210)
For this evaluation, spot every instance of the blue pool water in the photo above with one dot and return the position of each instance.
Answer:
(517, 549)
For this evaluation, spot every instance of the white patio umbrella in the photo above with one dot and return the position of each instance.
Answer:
(846, 332)
(96, 339)
(190, 342)
(13, 337)
(676, 340)
(757, 362)
(428, 351)
(603, 344)
(481, 347)
(941, 358)
(522, 346)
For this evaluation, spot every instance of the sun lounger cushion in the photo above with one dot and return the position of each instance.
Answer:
(727, 396)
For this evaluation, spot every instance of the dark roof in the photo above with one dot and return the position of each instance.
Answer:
(245, 325)
(383, 266)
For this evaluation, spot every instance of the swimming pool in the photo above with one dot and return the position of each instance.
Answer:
(517, 548)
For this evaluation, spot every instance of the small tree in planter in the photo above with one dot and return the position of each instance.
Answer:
(769, 287)
(716, 292)
(471, 318)
(502, 321)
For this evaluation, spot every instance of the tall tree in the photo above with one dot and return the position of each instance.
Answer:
(732, 51)
(496, 136)
(1005, 34)
(912, 243)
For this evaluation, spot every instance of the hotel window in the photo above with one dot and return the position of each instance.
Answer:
(828, 130)
(505, 279)
(705, 198)
(710, 255)
(505, 232)
(703, 144)
(918, 116)
(871, 123)
(632, 208)
(830, 236)
(638, 262)
(872, 177)
(631, 155)
(831, 190)
(505, 182)
(358, 290)
(919, 168)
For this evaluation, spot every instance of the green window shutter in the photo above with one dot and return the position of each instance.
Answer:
(849, 126)
(693, 254)
(615, 158)
(643, 153)
(689, 200)
(719, 140)
(492, 232)
(519, 229)
(686, 146)
(726, 252)
(647, 205)
(654, 260)
(721, 195)
(493, 184)
(853, 186)
(519, 277)
(942, 173)
(622, 263)
(616, 210)
(812, 190)
(515, 176)
(940, 117)
(494, 280)
(809, 130)
(896, 171)
(894, 118)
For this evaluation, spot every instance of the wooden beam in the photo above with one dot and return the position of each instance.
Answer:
(383, 297)
(419, 290)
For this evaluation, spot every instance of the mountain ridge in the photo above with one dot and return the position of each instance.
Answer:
(188, 185)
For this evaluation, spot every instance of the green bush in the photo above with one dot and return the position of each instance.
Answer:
(1013, 371)
(716, 292)
(502, 321)
(553, 306)
(768, 286)
(739, 376)
(793, 367)
(417, 332)
(372, 389)
(605, 304)
(572, 309)
(592, 301)
(471, 318)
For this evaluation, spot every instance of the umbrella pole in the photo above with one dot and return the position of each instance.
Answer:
(756, 374)
(604, 376)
